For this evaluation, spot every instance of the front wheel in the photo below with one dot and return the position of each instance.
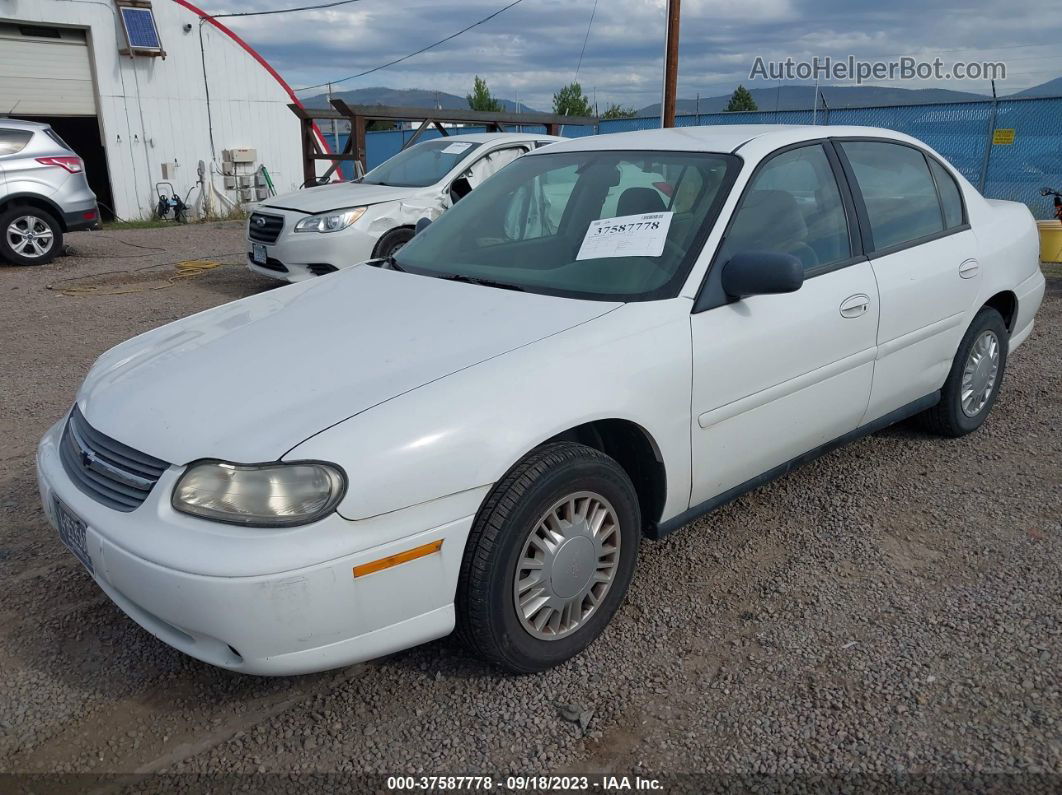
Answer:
(29, 236)
(549, 558)
(974, 380)
(391, 242)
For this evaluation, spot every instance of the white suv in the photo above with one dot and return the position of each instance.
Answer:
(320, 230)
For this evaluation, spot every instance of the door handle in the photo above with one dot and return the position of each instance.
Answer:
(969, 269)
(855, 305)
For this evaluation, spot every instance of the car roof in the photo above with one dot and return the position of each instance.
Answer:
(21, 124)
(719, 137)
(487, 138)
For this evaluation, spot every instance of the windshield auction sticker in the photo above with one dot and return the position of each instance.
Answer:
(456, 148)
(626, 236)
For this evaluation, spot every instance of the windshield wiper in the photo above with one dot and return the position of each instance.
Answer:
(392, 263)
(457, 277)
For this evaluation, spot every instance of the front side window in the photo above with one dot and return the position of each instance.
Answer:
(898, 191)
(422, 164)
(13, 141)
(604, 225)
(792, 206)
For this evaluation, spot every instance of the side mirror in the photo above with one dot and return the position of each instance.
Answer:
(762, 273)
(422, 224)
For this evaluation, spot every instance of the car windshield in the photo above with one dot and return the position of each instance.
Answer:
(605, 225)
(421, 165)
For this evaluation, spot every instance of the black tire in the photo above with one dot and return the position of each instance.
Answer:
(487, 617)
(948, 418)
(11, 216)
(392, 241)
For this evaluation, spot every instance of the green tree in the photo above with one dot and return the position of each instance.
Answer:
(481, 99)
(741, 99)
(570, 101)
(615, 111)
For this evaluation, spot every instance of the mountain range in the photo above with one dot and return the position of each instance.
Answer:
(785, 97)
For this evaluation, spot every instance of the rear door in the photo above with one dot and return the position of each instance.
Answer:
(924, 257)
(775, 376)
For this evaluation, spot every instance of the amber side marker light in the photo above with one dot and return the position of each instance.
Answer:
(398, 558)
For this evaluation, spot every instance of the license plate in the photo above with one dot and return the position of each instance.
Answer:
(258, 253)
(72, 533)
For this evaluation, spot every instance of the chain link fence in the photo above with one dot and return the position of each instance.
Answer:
(1008, 148)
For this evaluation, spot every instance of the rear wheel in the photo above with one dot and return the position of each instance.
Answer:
(391, 242)
(974, 380)
(29, 236)
(549, 558)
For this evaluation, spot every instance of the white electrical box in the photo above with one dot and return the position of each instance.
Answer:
(228, 168)
(246, 180)
(261, 193)
(169, 170)
(230, 183)
(247, 195)
(259, 179)
(241, 155)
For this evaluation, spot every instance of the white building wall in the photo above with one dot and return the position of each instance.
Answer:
(154, 110)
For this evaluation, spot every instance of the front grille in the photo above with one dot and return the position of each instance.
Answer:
(264, 228)
(105, 469)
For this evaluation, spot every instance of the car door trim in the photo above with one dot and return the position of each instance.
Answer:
(918, 335)
(658, 530)
(785, 388)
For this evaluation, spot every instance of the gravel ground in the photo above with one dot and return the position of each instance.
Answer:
(892, 609)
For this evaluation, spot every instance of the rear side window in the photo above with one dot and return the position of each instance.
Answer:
(950, 198)
(13, 141)
(898, 190)
(55, 137)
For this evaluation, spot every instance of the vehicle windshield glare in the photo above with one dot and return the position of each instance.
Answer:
(421, 165)
(604, 225)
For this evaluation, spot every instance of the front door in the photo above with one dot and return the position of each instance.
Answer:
(775, 376)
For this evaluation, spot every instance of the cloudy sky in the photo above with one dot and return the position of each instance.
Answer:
(533, 48)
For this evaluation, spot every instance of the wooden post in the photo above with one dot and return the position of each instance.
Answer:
(309, 149)
(667, 106)
(357, 131)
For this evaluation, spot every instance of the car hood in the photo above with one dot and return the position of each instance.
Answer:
(337, 196)
(249, 380)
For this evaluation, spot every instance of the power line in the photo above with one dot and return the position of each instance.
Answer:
(418, 52)
(586, 38)
(283, 10)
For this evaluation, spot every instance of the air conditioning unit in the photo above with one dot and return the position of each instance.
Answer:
(241, 155)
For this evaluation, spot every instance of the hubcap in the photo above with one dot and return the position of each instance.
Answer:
(29, 236)
(979, 375)
(567, 565)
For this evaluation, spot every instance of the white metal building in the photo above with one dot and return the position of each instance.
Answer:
(143, 91)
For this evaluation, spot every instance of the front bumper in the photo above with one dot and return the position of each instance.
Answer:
(297, 256)
(310, 618)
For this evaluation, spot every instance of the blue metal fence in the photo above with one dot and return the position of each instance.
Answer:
(961, 131)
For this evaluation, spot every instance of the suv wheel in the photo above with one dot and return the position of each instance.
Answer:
(29, 236)
(549, 558)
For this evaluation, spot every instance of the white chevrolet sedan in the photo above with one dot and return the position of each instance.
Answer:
(608, 339)
(319, 230)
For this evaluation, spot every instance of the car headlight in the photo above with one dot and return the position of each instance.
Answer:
(330, 222)
(266, 495)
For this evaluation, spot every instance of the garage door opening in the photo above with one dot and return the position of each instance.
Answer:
(82, 134)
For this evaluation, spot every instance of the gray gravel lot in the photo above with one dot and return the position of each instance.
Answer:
(892, 608)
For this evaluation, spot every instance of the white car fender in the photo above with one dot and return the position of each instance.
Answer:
(467, 429)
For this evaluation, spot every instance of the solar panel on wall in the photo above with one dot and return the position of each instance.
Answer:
(140, 28)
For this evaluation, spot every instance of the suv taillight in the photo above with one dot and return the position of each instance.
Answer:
(71, 164)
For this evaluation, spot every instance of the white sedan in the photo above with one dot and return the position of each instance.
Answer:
(319, 230)
(608, 339)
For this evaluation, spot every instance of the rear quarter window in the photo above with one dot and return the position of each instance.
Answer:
(13, 141)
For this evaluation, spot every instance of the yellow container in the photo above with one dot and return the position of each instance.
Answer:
(1050, 241)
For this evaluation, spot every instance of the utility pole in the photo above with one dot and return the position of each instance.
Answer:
(671, 43)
